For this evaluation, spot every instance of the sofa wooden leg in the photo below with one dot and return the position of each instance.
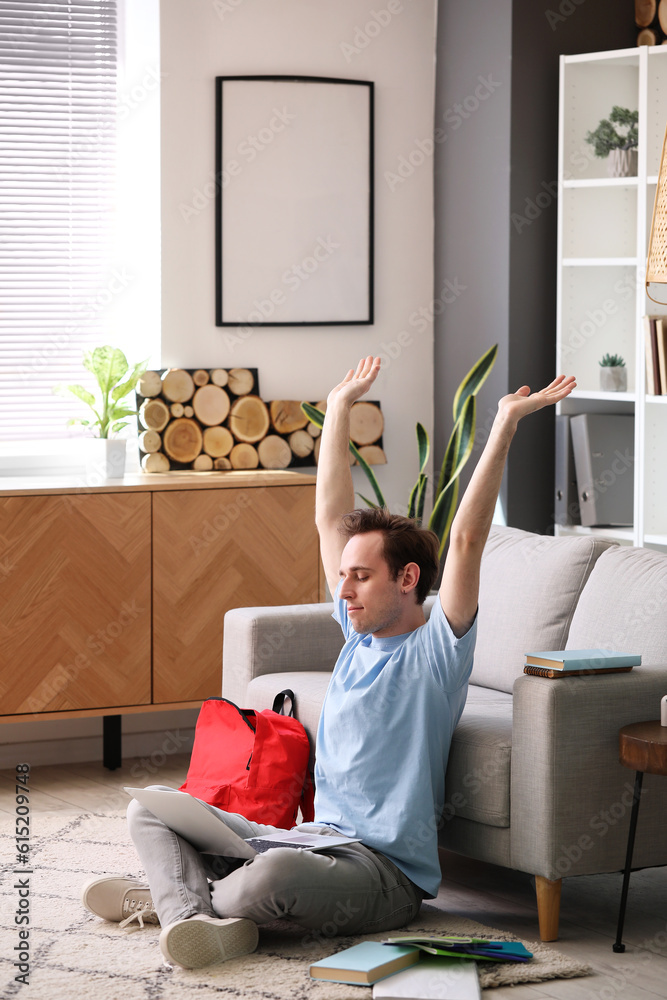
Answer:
(548, 906)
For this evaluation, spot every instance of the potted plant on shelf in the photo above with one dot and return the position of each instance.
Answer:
(616, 137)
(457, 454)
(116, 381)
(613, 374)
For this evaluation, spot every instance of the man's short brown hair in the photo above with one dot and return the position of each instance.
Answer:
(403, 542)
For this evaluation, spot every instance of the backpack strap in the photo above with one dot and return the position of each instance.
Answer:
(307, 802)
(279, 702)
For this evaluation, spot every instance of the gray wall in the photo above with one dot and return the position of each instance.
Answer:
(489, 169)
(472, 198)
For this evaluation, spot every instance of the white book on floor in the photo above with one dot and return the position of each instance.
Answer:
(432, 979)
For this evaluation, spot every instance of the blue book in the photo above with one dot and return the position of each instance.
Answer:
(583, 659)
(364, 963)
(454, 946)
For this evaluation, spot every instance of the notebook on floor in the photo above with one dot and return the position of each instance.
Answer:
(190, 818)
(432, 979)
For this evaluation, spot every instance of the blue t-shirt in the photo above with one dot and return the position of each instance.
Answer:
(383, 739)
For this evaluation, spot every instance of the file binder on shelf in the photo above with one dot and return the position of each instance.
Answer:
(604, 459)
(566, 503)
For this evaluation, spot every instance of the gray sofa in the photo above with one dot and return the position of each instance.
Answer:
(533, 778)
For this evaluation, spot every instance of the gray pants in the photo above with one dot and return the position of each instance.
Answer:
(351, 890)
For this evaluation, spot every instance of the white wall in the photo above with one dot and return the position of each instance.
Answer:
(391, 42)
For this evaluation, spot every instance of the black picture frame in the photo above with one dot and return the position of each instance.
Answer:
(294, 208)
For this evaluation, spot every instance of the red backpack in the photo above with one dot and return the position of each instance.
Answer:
(252, 763)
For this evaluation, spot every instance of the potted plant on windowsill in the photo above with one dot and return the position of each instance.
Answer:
(616, 138)
(106, 454)
(613, 374)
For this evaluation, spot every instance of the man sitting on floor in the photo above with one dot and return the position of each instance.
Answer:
(396, 694)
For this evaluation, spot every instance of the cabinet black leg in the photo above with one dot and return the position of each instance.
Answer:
(111, 741)
(618, 945)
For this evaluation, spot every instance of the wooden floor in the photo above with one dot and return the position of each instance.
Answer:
(491, 895)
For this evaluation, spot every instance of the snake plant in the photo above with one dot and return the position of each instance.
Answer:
(457, 453)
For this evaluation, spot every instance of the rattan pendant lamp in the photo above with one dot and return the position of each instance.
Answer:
(656, 264)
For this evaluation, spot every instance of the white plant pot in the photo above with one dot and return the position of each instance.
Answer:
(105, 459)
(613, 379)
(622, 163)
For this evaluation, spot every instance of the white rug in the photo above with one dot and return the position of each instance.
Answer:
(76, 955)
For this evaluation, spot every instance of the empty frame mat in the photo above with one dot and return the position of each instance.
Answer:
(294, 212)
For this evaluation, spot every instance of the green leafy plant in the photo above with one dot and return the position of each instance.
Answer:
(457, 453)
(115, 381)
(607, 137)
(612, 361)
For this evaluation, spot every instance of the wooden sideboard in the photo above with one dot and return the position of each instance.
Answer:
(112, 597)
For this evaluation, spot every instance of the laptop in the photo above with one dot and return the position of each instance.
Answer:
(190, 818)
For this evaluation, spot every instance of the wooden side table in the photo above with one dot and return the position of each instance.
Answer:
(643, 747)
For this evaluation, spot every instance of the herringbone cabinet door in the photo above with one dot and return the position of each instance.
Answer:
(75, 602)
(219, 549)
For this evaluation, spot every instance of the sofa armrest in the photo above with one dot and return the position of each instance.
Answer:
(570, 796)
(274, 640)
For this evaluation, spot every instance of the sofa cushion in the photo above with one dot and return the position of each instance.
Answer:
(529, 589)
(309, 687)
(478, 772)
(623, 605)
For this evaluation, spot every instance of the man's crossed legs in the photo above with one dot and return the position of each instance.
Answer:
(350, 890)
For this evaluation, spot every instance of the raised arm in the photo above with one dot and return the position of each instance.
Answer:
(459, 589)
(334, 492)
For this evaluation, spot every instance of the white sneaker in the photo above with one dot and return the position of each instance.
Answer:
(201, 940)
(124, 900)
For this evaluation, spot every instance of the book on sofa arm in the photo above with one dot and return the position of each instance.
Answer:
(569, 662)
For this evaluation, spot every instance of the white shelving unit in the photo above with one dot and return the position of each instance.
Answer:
(603, 229)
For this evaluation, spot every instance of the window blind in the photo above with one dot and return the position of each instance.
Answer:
(58, 99)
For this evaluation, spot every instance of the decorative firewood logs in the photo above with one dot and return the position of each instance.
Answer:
(214, 419)
(651, 21)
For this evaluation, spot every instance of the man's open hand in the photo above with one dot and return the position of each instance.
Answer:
(518, 404)
(356, 383)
